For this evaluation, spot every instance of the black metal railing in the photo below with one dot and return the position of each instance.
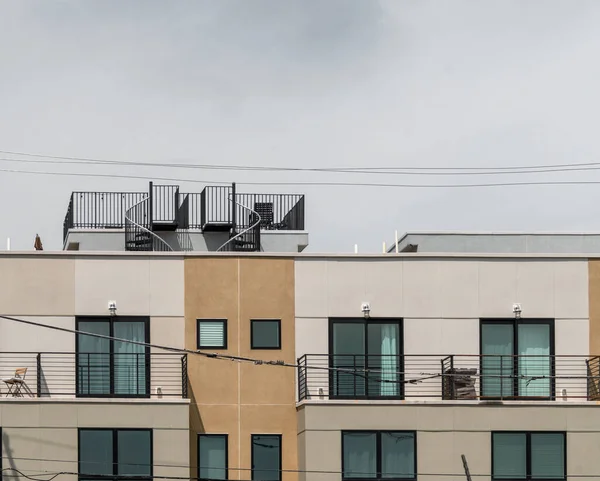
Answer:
(165, 204)
(165, 207)
(448, 377)
(98, 210)
(215, 206)
(57, 374)
(593, 371)
(277, 211)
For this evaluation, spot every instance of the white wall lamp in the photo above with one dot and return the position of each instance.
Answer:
(517, 311)
(365, 307)
(112, 308)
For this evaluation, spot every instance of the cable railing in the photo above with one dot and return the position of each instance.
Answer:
(94, 375)
(449, 377)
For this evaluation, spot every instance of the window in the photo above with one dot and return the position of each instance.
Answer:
(112, 453)
(266, 457)
(212, 333)
(531, 456)
(517, 358)
(358, 344)
(212, 456)
(113, 368)
(265, 334)
(378, 454)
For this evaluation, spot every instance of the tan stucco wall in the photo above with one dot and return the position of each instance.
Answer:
(36, 434)
(444, 432)
(594, 299)
(241, 399)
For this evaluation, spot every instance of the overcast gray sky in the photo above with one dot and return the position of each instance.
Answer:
(309, 83)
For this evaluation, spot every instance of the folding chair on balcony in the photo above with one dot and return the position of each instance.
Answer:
(16, 383)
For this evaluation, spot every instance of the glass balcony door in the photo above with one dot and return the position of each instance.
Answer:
(517, 358)
(109, 367)
(367, 359)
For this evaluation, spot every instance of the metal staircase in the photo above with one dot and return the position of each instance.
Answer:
(138, 233)
(243, 238)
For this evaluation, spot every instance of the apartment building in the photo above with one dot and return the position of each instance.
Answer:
(86, 405)
(405, 362)
(409, 361)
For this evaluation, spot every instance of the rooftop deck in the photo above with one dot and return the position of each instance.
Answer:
(164, 208)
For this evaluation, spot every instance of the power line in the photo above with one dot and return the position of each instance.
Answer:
(361, 372)
(355, 371)
(54, 475)
(308, 183)
(309, 169)
(418, 171)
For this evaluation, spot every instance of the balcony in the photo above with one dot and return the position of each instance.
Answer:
(448, 378)
(71, 375)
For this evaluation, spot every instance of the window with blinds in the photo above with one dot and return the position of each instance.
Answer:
(528, 455)
(212, 333)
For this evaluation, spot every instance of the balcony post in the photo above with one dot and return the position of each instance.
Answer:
(184, 377)
(39, 374)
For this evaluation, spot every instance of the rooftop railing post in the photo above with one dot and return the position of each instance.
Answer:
(150, 205)
(233, 207)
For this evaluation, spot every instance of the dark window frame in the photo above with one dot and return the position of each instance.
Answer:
(515, 386)
(262, 348)
(528, 455)
(198, 343)
(378, 453)
(111, 321)
(365, 322)
(214, 435)
(280, 454)
(115, 460)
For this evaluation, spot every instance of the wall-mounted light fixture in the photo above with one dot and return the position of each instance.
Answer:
(112, 308)
(366, 309)
(517, 311)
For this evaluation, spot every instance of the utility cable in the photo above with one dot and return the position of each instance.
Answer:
(309, 183)
(358, 372)
(358, 170)
(300, 169)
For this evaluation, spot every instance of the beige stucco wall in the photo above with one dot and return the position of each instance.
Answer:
(443, 299)
(54, 285)
(53, 289)
(444, 432)
(42, 436)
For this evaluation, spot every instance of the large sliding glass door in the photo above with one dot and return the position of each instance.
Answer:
(108, 367)
(358, 345)
(517, 358)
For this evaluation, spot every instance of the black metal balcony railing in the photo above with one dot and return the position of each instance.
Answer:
(448, 377)
(62, 374)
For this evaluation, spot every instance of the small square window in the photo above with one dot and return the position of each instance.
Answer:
(265, 334)
(212, 333)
